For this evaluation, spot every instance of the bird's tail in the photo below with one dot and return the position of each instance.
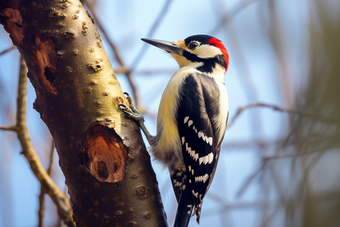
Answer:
(184, 209)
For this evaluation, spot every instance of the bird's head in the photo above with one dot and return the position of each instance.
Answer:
(205, 53)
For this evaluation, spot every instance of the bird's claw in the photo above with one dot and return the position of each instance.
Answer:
(132, 106)
(131, 111)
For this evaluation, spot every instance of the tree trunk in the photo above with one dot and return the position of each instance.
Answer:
(101, 153)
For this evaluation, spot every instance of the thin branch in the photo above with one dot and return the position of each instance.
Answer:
(58, 197)
(246, 79)
(41, 207)
(323, 119)
(250, 179)
(7, 50)
(241, 109)
(251, 144)
(9, 128)
(146, 72)
(280, 43)
(42, 191)
(153, 29)
(228, 205)
(268, 158)
(229, 16)
(265, 160)
(49, 168)
(239, 206)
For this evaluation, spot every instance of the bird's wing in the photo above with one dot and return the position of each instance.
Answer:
(197, 111)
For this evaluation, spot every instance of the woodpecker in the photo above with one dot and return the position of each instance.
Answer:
(192, 119)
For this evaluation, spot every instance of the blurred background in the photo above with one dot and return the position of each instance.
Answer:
(277, 168)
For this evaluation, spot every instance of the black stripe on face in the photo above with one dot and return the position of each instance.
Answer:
(208, 63)
(192, 57)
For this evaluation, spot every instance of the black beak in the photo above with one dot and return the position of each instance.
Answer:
(165, 45)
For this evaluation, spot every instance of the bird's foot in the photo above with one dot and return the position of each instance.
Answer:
(131, 111)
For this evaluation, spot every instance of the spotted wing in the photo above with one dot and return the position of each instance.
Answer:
(197, 111)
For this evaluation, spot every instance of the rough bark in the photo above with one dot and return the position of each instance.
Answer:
(107, 168)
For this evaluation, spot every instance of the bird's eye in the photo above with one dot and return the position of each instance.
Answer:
(192, 45)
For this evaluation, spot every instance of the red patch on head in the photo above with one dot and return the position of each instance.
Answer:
(217, 43)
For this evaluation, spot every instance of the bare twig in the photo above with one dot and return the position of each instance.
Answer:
(241, 109)
(9, 128)
(228, 205)
(246, 79)
(145, 72)
(49, 168)
(229, 16)
(323, 119)
(42, 191)
(240, 206)
(7, 50)
(41, 207)
(253, 143)
(58, 197)
(250, 179)
(153, 29)
(268, 158)
(280, 43)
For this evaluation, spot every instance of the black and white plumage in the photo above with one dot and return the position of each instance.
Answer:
(201, 137)
(192, 120)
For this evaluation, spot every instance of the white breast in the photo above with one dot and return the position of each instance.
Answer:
(167, 148)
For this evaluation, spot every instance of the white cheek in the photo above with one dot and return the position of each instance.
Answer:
(207, 51)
